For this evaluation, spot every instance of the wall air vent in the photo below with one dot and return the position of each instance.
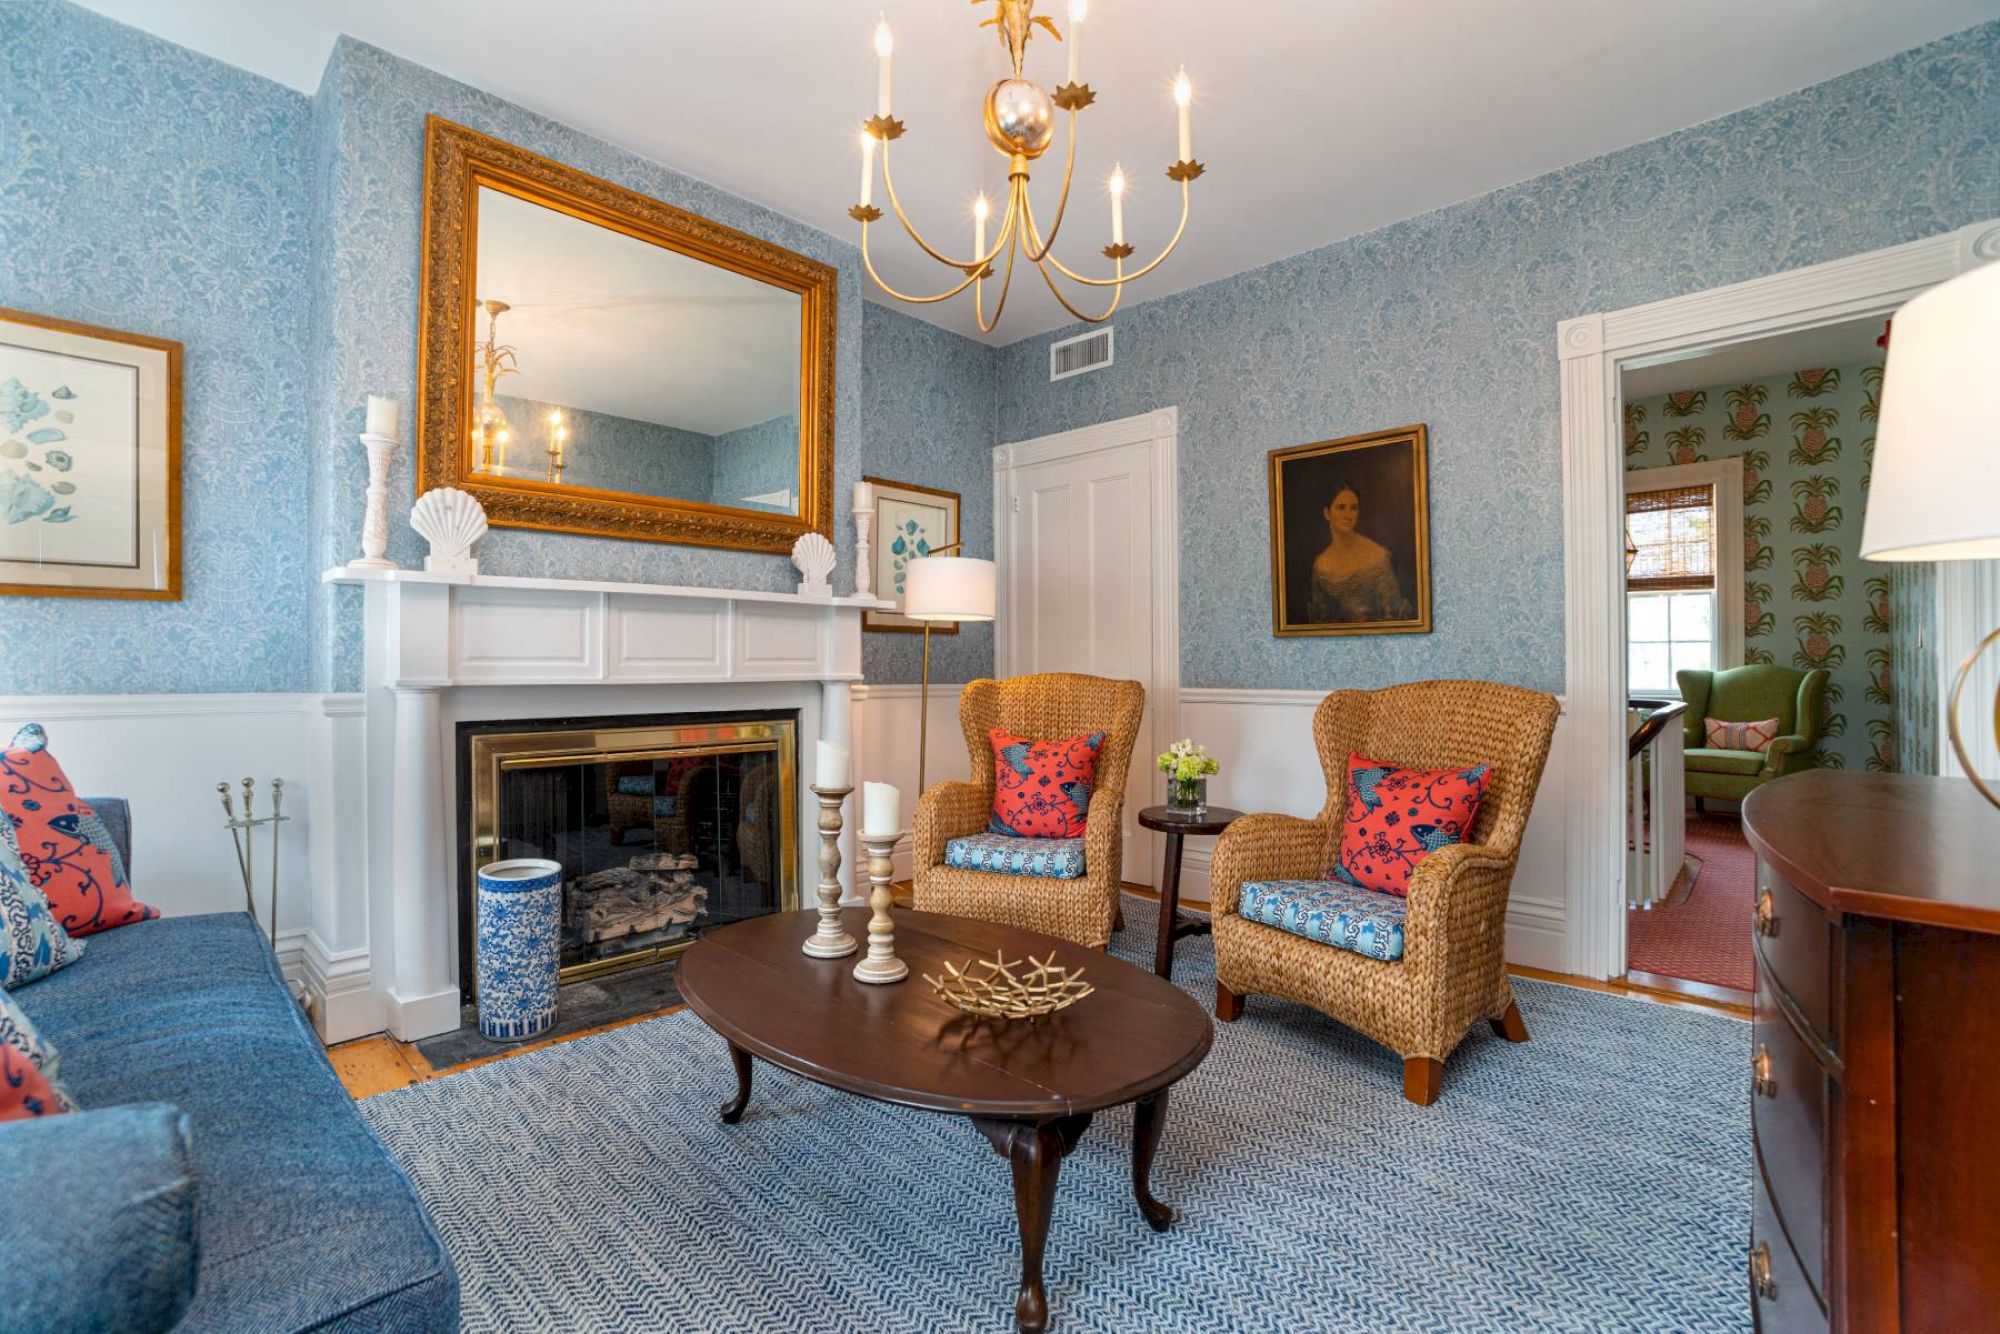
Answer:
(1080, 355)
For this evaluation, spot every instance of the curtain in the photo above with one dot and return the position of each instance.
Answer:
(1674, 533)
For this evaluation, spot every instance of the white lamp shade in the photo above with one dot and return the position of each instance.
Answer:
(948, 588)
(1935, 490)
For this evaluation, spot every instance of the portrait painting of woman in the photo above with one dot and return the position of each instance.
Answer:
(1350, 536)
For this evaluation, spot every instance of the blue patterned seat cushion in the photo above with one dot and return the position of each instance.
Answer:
(1347, 917)
(1049, 858)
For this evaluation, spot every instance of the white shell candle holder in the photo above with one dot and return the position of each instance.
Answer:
(813, 555)
(830, 941)
(452, 522)
(881, 965)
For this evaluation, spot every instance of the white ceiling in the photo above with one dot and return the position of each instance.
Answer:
(1318, 119)
(608, 323)
(1849, 344)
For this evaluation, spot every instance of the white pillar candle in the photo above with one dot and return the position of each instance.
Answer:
(1118, 205)
(381, 417)
(884, 44)
(830, 765)
(864, 495)
(1076, 10)
(867, 169)
(881, 810)
(1184, 99)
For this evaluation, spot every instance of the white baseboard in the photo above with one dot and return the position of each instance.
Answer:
(165, 754)
(412, 1018)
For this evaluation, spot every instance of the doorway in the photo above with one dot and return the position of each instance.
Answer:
(1594, 351)
(1086, 535)
(1746, 472)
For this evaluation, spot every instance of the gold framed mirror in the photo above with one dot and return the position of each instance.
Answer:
(594, 361)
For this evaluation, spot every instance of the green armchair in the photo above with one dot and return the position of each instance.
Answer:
(1747, 695)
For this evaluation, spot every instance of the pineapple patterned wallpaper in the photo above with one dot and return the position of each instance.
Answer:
(1806, 441)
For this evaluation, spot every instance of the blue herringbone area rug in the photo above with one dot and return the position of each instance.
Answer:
(1596, 1179)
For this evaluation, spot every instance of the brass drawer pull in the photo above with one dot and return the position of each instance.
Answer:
(1761, 1082)
(1767, 915)
(1760, 1272)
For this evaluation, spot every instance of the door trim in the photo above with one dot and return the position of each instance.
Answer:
(1591, 350)
(1161, 429)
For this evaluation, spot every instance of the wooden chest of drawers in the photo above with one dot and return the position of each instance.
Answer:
(1876, 1054)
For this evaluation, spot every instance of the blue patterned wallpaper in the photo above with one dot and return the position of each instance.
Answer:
(368, 137)
(931, 420)
(758, 460)
(148, 188)
(1450, 319)
(609, 453)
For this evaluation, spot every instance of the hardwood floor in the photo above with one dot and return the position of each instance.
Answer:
(376, 1064)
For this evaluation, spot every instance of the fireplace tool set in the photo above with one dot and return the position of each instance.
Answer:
(243, 832)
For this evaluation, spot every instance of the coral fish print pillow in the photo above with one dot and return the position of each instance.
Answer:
(1041, 789)
(66, 849)
(27, 1068)
(1397, 817)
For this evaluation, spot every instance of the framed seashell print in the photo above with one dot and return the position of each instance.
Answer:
(90, 461)
(910, 521)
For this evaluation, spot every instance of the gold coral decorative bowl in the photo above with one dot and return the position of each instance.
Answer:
(993, 989)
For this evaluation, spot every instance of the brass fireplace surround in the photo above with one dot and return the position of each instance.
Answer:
(494, 754)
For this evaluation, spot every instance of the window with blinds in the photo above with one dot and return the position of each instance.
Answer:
(1673, 532)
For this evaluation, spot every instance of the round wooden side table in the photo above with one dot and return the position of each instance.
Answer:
(1177, 825)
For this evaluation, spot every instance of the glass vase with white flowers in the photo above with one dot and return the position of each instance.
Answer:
(1187, 767)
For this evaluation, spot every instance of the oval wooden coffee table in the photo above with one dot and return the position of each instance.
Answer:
(1031, 1089)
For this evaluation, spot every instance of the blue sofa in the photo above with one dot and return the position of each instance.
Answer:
(254, 1199)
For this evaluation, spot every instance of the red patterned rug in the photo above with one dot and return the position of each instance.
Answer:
(1704, 937)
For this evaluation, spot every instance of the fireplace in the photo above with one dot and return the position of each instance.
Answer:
(665, 827)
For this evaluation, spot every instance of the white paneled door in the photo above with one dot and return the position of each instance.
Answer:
(1088, 574)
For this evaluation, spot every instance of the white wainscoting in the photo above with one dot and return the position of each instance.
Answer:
(166, 753)
(885, 751)
(1264, 740)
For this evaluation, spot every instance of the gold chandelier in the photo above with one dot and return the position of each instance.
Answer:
(1020, 124)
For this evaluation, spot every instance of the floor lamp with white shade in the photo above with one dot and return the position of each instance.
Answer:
(942, 586)
(1935, 490)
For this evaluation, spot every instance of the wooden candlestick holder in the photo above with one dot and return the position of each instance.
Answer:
(830, 941)
(881, 965)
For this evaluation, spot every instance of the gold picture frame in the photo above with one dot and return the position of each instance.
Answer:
(1350, 535)
(90, 461)
(458, 163)
(898, 503)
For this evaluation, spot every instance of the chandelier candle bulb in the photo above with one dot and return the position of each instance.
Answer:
(980, 210)
(1184, 100)
(1118, 205)
(881, 810)
(884, 45)
(1076, 12)
(382, 413)
(867, 169)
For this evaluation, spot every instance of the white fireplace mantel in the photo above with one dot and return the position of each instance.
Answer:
(464, 630)
(444, 648)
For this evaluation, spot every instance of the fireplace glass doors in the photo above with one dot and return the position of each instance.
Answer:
(662, 831)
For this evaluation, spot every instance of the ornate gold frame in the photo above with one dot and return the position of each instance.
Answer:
(1418, 437)
(958, 514)
(171, 559)
(457, 161)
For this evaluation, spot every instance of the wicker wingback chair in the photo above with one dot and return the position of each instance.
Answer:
(1048, 707)
(1451, 973)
